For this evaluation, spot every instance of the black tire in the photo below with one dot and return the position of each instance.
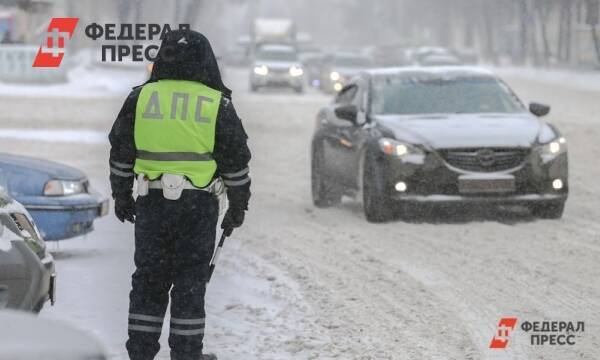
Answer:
(299, 90)
(324, 194)
(376, 202)
(253, 88)
(552, 210)
(38, 307)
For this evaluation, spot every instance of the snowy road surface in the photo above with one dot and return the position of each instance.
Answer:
(304, 283)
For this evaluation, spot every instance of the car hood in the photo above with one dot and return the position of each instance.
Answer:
(52, 169)
(464, 130)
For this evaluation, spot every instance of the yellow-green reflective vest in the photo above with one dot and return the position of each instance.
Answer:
(175, 124)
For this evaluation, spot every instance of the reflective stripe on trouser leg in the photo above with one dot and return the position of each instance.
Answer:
(144, 333)
(196, 233)
(187, 327)
(151, 281)
(145, 323)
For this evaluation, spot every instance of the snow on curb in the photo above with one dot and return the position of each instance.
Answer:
(83, 82)
(55, 135)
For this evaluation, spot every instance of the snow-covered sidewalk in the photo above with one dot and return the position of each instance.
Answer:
(252, 307)
(580, 80)
(84, 81)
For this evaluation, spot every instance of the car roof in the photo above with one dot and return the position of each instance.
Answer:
(433, 71)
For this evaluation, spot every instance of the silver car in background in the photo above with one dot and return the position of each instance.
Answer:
(277, 66)
(27, 274)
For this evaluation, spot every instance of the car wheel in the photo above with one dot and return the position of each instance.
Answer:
(552, 210)
(253, 88)
(299, 90)
(324, 194)
(376, 202)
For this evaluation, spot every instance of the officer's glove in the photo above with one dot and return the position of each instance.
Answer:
(125, 208)
(234, 218)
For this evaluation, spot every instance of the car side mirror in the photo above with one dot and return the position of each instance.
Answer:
(539, 109)
(347, 112)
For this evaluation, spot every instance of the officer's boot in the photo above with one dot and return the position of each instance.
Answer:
(209, 357)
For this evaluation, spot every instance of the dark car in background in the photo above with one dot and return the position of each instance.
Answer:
(339, 67)
(59, 197)
(312, 64)
(408, 137)
(27, 276)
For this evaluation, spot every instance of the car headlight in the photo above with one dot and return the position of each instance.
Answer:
(398, 148)
(261, 70)
(296, 71)
(63, 187)
(30, 234)
(552, 149)
(335, 76)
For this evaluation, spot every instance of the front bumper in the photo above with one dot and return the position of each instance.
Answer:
(66, 217)
(432, 180)
(277, 80)
(524, 199)
(33, 280)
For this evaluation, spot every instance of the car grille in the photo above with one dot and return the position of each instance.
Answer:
(485, 159)
(279, 71)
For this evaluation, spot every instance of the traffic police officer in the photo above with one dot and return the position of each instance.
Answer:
(180, 136)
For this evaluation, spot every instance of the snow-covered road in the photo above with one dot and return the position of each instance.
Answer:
(304, 283)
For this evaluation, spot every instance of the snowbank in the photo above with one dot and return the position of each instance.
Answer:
(581, 80)
(83, 82)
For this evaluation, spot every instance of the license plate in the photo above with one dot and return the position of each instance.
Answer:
(52, 292)
(279, 77)
(469, 185)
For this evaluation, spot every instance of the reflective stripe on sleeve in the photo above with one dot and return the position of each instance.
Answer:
(121, 173)
(173, 156)
(237, 183)
(236, 174)
(122, 165)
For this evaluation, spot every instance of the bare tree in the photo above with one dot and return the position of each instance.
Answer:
(544, 8)
(592, 19)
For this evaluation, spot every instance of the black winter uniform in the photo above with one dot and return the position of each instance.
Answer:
(174, 240)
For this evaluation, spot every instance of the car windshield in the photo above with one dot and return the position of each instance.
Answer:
(437, 95)
(352, 61)
(277, 55)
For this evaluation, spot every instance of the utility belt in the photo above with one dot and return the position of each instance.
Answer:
(173, 186)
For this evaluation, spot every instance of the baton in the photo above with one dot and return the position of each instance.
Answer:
(215, 258)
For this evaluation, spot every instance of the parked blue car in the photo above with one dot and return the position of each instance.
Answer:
(58, 197)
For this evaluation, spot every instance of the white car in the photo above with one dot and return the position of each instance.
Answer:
(27, 275)
(277, 66)
(27, 337)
